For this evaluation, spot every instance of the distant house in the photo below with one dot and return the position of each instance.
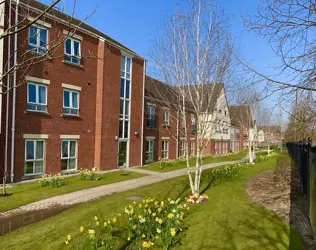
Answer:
(271, 134)
(241, 127)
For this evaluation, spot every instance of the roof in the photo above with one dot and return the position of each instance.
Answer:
(240, 115)
(164, 92)
(210, 94)
(40, 6)
(270, 129)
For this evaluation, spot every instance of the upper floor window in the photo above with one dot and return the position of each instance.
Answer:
(71, 102)
(72, 51)
(38, 39)
(165, 119)
(36, 97)
(34, 157)
(150, 117)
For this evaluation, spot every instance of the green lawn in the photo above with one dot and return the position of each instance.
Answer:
(228, 220)
(25, 193)
(155, 166)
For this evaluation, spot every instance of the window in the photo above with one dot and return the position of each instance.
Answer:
(193, 123)
(182, 148)
(216, 148)
(192, 147)
(34, 157)
(183, 121)
(38, 39)
(164, 149)
(71, 102)
(150, 119)
(165, 119)
(72, 51)
(68, 155)
(225, 147)
(125, 87)
(36, 97)
(149, 150)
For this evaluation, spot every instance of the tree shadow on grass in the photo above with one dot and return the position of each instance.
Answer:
(258, 230)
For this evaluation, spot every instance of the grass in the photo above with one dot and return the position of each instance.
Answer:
(25, 193)
(228, 220)
(155, 166)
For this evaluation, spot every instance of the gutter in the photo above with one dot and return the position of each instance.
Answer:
(143, 111)
(14, 89)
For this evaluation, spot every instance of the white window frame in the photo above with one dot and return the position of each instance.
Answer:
(69, 158)
(216, 147)
(150, 150)
(165, 118)
(182, 149)
(70, 102)
(37, 47)
(34, 160)
(73, 40)
(151, 115)
(165, 149)
(37, 85)
(192, 147)
(125, 117)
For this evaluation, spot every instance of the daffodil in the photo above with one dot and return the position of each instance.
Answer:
(66, 242)
(143, 236)
(172, 232)
(81, 229)
(170, 216)
(105, 224)
(158, 230)
(97, 223)
(95, 218)
(68, 237)
(114, 220)
(134, 227)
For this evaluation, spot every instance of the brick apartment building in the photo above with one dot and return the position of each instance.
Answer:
(164, 137)
(72, 111)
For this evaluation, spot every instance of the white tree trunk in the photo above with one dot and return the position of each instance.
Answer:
(268, 148)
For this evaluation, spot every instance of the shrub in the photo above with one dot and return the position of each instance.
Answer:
(143, 225)
(52, 181)
(283, 164)
(86, 174)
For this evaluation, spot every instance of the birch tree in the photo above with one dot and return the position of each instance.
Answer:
(192, 54)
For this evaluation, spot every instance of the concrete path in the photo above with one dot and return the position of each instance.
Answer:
(90, 194)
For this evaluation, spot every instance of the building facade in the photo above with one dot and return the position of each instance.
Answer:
(81, 109)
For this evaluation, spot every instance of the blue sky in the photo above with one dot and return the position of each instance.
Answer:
(134, 23)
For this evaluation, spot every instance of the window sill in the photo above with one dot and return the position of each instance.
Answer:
(73, 64)
(166, 126)
(70, 171)
(150, 127)
(32, 112)
(71, 116)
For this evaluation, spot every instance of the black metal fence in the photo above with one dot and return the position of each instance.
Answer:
(304, 156)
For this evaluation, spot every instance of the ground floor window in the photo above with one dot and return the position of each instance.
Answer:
(192, 147)
(182, 148)
(217, 150)
(34, 157)
(225, 148)
(149, 150)
(164, 149)
(68, 155)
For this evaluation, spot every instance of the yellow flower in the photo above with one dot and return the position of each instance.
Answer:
(140, 205)
(159, 209)
(188, 208)
(140, 217)
(170, 216)
(197, 202)
(158, 230)
(91, 233)
(134, 202)
(146, 205)
(156, 237)
(68, 237)
(134, 227)
(172, 232)
(81, 229)
(97, 223)
(156, 203)
(109, 222)
(154, 214)
(95, 218)
(143, 235)
(105, 224)
(66, 242)
(148, 244)
(114, 219)
(129, 238)
(169, 199)
(162, 203)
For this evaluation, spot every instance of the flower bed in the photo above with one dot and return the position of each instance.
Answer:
(52, 180)
(87, 174)
(141, 226)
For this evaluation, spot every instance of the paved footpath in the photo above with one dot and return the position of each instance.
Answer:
(90, 194)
